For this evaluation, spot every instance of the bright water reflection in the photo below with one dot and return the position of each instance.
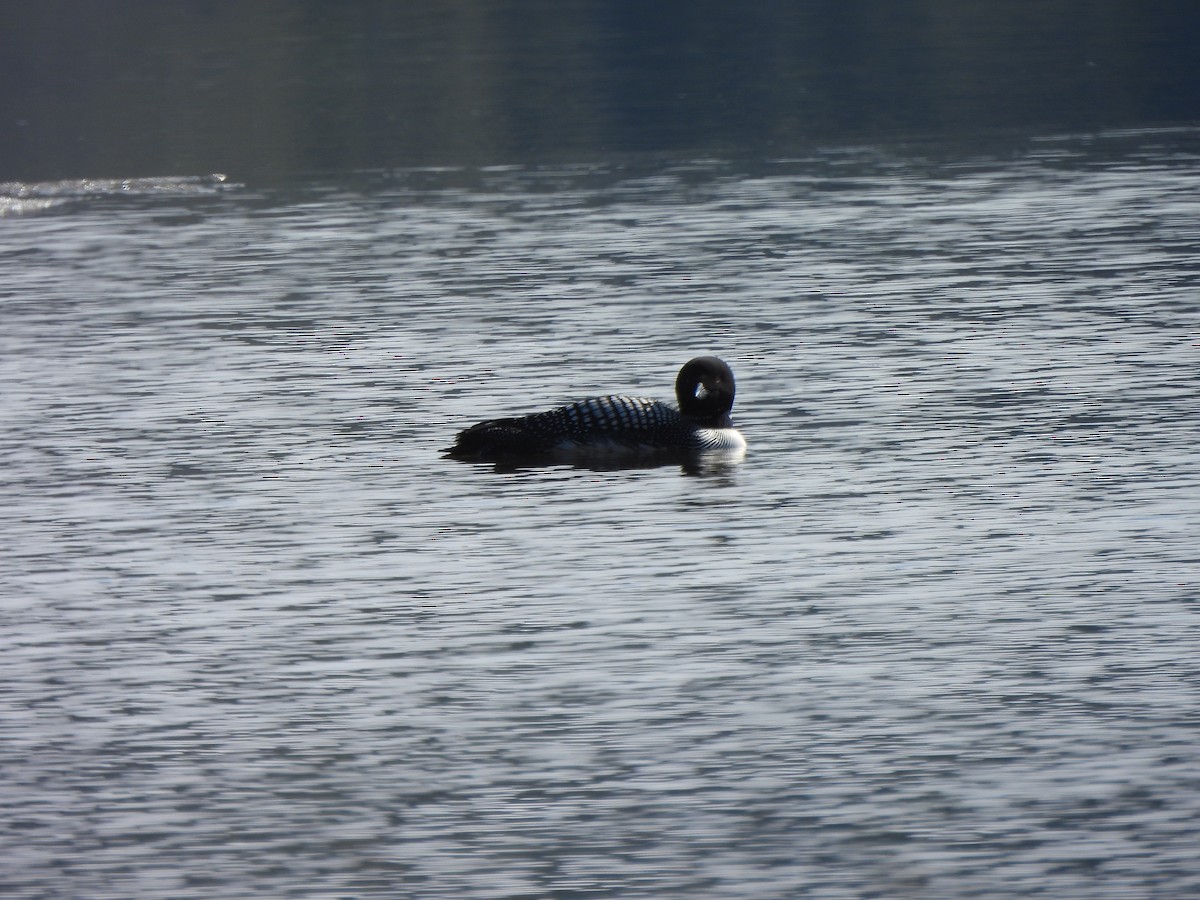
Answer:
(936, 636)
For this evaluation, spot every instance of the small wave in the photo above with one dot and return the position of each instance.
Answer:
(24, 198)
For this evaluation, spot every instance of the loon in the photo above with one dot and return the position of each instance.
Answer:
(618, 425)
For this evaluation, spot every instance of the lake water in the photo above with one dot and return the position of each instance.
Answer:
(936, 636)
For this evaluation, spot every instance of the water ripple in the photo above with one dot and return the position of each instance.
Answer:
(937, 635)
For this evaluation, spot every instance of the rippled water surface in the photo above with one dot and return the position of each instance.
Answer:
(936, 636)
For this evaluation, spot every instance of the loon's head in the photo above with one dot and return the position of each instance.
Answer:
(705, 390)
